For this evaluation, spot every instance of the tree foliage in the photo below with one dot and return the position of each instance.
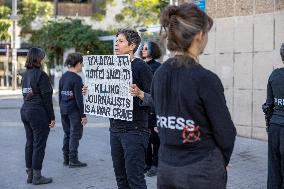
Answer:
(5, 12)
(30, 9)
(101, 9)
(5, 23)
(141, 12)
(56, 36)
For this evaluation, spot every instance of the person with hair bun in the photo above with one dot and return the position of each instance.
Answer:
(196, 131)
(37, 114)
(72, 110)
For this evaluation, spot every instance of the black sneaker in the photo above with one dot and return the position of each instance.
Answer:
(152, 172)
(76, 163)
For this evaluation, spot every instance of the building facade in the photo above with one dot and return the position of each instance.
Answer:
(243, 49)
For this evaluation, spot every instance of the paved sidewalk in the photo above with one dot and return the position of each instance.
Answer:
(248, 169)
(9, 93)
(248, 164)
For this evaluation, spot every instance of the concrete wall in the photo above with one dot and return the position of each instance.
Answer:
(243, 51)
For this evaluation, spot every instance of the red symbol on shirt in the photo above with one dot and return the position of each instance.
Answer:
(190, 133)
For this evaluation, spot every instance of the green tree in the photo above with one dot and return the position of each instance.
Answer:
(5, 23)
(5, 12)
(141, 12)
(101, 6)
(30, 9)
(56, 36)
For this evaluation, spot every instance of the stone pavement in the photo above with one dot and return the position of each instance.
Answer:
(248, 164)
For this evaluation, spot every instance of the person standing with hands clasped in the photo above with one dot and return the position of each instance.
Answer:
(37, 114)
(195, 128)
(274, 114)
(72, 110)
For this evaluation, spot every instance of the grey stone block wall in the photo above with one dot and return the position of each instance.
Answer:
(225, 8)
(244, 7)
(264, 6)
(243, 51)
(230, 8)
(279, 4)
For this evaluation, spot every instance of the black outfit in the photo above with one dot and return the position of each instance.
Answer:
(129, 139)
(195, 128)
(72, 110)
(154, 141)
(36, 114)
(275, 113)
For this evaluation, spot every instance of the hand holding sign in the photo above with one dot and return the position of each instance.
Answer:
(135, 91)
(84, 121)
(85, 90)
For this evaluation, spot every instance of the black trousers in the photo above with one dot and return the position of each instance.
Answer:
(152, 157)
(37, 131)
(275, 157)
(128, 155)
(73, 131)
(210, 172)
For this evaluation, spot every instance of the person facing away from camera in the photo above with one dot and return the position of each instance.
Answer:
(196, 131)
(37, 114)
(274, 114)
(72, 110)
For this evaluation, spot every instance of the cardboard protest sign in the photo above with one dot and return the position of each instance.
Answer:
(108, 78)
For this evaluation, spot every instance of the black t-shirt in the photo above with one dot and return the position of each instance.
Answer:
(275, 96)
(192, 116)
(142, 77)
(37, 91)
(70, 94)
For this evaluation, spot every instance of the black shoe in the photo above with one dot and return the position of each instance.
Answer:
(152, 172)
(30, 175)
(39, 179)
(147, 168)
(66, 162)
(76, 163)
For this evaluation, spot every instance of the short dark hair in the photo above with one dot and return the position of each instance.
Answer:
(181, 24)
(73, 59)
(34, 58)
(131, 36)
(153, 50)
(282, 52)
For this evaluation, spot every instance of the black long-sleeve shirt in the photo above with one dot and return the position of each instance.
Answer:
(70, 94)
(37, 91)
(192, 115)
(154, 65)
(275, 96)
(142, 77)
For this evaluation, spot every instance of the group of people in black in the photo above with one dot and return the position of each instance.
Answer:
(179, 109)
